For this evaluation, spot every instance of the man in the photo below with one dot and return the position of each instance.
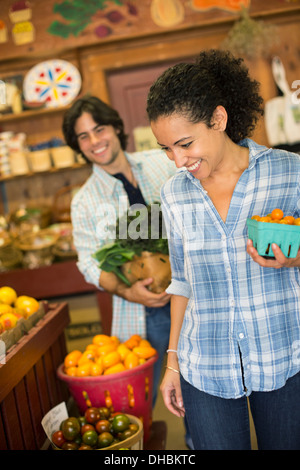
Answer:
(118, 180)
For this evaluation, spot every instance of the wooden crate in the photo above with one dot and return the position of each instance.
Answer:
(29, 387)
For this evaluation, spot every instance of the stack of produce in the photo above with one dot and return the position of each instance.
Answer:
(140, 249)
(98, 428)
(14, 307)
(107, 355)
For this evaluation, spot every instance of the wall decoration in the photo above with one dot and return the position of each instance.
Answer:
(23, 31)
(80, 14)
(167, 13)
(3, 32)
(55, 82)
(251, 39)
(228, 5)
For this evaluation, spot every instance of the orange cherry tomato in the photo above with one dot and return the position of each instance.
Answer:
(290, 219)
(72, 358)
(131, 360)
(297, 221)
(277, 214)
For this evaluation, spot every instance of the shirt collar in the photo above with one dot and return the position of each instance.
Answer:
(108, 181)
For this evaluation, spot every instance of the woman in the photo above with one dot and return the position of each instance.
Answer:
(235, 316)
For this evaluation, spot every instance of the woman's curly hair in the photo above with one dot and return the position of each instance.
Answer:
(196, 89)
(102, 114)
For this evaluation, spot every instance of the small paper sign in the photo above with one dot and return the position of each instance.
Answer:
(53, 418)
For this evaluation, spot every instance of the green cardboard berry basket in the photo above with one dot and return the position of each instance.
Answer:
(263, 234)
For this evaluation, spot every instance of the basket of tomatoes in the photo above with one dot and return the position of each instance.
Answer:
(276, 228)
(116, 375)
(99, 429)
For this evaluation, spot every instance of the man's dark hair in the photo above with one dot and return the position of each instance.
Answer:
(102, 114)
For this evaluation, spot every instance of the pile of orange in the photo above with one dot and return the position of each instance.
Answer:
(13, 307)
(277, 217)
(107, 355)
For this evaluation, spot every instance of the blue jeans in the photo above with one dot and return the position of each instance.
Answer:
(223, 424)
(158, 331)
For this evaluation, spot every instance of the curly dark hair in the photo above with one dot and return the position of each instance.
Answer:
(195, 89)
(102, 114)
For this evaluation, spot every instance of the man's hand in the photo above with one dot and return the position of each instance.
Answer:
(280, 260)
(137, 293)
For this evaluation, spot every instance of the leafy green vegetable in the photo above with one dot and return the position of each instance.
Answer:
(142, 230)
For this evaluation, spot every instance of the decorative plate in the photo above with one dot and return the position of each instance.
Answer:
(53, 82)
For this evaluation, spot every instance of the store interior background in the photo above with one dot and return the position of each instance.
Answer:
(119, 68)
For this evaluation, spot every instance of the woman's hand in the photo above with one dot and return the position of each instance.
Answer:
(171, 392)
(280, 260)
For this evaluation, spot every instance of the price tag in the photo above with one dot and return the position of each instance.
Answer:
(53, 418)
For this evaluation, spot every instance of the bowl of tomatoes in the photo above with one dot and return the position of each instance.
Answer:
(275, 227)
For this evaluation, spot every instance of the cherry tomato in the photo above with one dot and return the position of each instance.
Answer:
(104, 412)
(102, 426)
(90, 438)
(120, 423)
(70, 446)
(92, 415)
(87, 427)
(70, 428)
(58, 438)
(105, 439)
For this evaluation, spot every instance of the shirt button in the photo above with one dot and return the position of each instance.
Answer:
(232, 302)
(241, 335)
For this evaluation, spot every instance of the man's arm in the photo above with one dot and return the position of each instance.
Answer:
(137, 293)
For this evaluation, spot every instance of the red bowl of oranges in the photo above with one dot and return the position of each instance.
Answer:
(283, 230)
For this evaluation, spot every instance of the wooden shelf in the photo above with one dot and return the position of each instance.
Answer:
(46, 172)
(31, 113)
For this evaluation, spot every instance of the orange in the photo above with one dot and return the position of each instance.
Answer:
(86, 357)
(72, 358)
(106, 348)
(91, 347)
(277, 214)
(111, 359)
(6, 308)
(8, 321)
(145, 343)
(131, 360)
(96, 369)
(290, 219)
(71, 371)
(27, 305)
(8, 295)
(84, 370)
(123, 351)
(101, 339)
(119, 367)
(144, 352)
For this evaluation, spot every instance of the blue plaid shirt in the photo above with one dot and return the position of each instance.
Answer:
(241, 329)
(95, 209)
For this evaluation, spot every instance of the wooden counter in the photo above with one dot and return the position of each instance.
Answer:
(29, 387)
(58, 280)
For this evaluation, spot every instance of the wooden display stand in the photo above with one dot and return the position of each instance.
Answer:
(29, 387)
(58, 280)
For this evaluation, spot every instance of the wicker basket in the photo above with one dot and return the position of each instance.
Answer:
(37, 248)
